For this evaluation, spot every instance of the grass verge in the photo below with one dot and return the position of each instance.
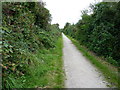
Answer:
(110, 72)
(48, 73)
(44, 70)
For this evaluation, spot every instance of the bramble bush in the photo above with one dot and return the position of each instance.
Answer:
(26, 29)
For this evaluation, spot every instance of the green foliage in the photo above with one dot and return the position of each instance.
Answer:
(99, 31)
(26, 29)
(44, 70)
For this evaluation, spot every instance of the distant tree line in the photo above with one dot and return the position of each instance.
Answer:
(99, 31)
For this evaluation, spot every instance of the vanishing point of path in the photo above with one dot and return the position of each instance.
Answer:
(80, 73)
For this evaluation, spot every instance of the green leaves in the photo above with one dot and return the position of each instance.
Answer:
(26, 29)
(100, 31)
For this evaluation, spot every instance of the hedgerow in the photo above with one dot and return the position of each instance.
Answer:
(99, 31)
(26, 29)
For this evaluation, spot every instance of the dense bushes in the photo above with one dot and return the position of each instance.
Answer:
(26, 29)
(99, 31)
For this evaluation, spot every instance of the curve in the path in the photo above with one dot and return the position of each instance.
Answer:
(80, 73)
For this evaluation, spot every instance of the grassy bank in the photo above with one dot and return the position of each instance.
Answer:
(48, 73)
(44, 70)
(110, 72)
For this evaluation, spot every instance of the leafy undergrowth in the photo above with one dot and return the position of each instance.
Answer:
(43, 71)
(110, 72)
(28, 45)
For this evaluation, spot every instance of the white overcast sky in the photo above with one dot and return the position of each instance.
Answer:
(63, 11)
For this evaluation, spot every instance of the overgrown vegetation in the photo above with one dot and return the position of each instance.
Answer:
(99, 31)
(31, 49)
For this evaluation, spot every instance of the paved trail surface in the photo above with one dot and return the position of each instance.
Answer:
(80, 73)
